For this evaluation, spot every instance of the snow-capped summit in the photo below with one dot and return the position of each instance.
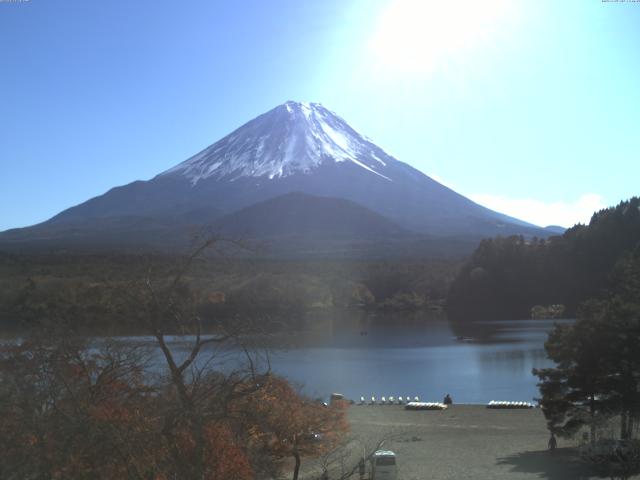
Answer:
(294, 137)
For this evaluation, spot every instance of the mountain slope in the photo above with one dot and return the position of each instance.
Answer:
(295, 147)
(299, 214)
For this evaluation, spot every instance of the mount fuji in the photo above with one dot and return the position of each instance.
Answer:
(298, 156)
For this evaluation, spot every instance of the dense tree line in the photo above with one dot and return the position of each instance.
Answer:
(507, 276)
(91, 287)
(594, 386)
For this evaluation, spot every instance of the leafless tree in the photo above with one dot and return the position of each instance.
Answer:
(201, 387)
(343, 461)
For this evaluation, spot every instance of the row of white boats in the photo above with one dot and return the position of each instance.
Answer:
(500, 404)
(425, 406)
(388, 400)
(415, 403)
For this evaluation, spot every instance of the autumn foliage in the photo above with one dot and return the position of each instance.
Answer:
(288, 425)
(68, 411)
(71, 408)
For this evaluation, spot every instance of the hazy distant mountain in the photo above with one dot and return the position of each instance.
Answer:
(555, 229)
(296, 147)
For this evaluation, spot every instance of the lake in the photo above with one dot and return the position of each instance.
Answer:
(359, 354)
(381, 356)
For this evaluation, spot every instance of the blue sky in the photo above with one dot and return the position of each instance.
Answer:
(529, 107)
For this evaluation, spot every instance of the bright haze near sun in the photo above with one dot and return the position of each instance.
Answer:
(416, 37)
(527, 107)
(455, 50)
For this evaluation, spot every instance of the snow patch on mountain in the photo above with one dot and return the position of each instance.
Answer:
(296, 137)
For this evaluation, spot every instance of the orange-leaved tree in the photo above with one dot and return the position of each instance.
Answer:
(288, 424)
(201, 408)
(70, 412)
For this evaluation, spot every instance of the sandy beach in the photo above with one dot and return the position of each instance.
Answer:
(464, 442)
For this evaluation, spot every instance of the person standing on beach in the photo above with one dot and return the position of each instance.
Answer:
(447, 400)
(553, 443)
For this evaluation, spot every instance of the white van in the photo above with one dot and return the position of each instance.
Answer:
(383, 465)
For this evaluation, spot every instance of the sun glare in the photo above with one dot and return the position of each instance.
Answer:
(418, 36)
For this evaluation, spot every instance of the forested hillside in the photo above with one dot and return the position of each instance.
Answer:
(507, 276)
(92, 289)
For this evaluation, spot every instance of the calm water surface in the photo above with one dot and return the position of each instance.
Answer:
(362, 354)
(489, 361)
